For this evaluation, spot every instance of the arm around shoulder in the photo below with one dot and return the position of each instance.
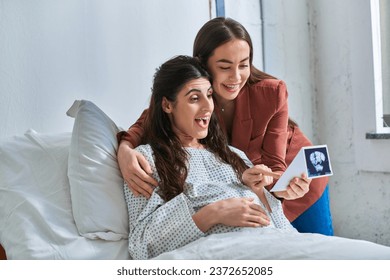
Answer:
(135, 132)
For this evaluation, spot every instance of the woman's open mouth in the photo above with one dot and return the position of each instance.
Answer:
(203, 121)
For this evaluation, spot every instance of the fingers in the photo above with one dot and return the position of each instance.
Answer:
(300, 185)
(145, 171)
(243, 212)
(303, 181)
(293, 191)
(256, 207)
(139, 187)
(296, 191)
(137, 175)
(297, 188)
(262, 169)
(132, 189)
(259, 221)
(271, 174)
(256, 216)
(305, 178)
(139, 183)
(259, 176)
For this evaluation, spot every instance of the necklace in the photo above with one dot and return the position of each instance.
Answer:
(226, 106)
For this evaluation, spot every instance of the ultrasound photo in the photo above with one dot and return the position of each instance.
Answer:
(317, 161)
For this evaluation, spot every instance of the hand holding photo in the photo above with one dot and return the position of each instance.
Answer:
(313, 161)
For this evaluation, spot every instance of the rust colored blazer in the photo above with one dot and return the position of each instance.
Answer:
(260, 123)
(260, 129)
(2, 253)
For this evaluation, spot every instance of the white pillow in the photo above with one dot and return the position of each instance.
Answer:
(96, 184)
(36, 219)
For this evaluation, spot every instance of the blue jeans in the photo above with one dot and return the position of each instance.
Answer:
(316, 219)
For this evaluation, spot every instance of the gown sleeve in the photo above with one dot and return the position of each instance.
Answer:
(157, 226)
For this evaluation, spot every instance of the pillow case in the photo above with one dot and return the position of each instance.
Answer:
(96, 184)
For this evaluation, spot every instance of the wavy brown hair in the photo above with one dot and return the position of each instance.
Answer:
(169, 155)
(219, 31)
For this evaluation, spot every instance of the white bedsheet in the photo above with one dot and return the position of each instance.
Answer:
(272, 244)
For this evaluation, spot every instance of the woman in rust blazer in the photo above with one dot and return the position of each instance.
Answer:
(252, 109)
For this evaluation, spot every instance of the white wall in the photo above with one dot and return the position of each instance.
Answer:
(55, 51)
(345, 104)
(287, 55)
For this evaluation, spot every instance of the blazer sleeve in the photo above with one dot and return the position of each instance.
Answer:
(275, 138)
(135, 132)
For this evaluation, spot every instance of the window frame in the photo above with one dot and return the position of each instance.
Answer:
(377, 63)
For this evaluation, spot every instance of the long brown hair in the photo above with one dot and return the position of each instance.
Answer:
(169, 155)
(219, 31)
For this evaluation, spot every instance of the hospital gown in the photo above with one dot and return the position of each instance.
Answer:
(157, 226)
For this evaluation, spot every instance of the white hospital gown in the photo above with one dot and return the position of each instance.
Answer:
(157, 226)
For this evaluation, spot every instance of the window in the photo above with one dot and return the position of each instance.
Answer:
(371, 152)
(380, 20)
